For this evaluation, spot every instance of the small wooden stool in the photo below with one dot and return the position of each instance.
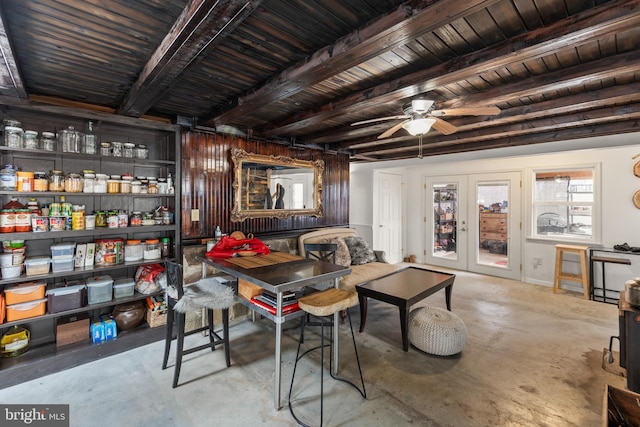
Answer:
(559, 276)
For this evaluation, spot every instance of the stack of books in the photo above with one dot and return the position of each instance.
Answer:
(268, 301)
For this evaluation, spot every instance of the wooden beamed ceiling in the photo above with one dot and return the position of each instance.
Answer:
(301, 72)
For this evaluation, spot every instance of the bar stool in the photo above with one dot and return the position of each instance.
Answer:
(206, 294)
(559, 276)
(323, 305)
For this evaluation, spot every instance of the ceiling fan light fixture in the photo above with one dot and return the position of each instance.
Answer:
(418, 126)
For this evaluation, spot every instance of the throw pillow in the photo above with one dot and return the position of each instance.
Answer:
(359, 250)
(343, 257)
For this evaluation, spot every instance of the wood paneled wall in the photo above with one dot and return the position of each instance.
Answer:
(207, 178)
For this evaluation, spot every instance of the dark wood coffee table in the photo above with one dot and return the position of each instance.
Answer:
(403, 289)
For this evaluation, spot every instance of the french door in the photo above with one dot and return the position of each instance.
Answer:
(474, 223)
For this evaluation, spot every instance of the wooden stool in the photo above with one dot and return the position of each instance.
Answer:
(559, 276)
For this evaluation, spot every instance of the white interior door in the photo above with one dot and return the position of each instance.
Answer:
(389, 231)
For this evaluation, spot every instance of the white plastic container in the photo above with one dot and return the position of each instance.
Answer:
(65, 263)
(123, 288)
(99, 289)
(37, 265)
(62, 250)
(6, 260)
(11, 272)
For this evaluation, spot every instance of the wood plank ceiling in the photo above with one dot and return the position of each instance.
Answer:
(300, 72)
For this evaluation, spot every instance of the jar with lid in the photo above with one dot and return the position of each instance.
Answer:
(13, 137)
(167, 218)
(127, 149)
(142, 152)
(125, 184)
(165, 247)
(40, 182)
(133, 250)
(152, 187)
(7, 221)
(100, 185)
(8, 178)
(71, 140)
(113, 186)
(89, 142)
(48, 141)
(56, 180)
(101, 219)
(23, 220)
(73, 183)
(33, 207)
(31, 140)
(88, 182)
(112, 219)
(144, 184)
(136, 219)
(116, 149)
(152, 249)
(136, 186)
(77, 217)
(24, 181)
(105, 148)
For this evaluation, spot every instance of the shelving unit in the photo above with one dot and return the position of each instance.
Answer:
(163, 142)
(445, 205)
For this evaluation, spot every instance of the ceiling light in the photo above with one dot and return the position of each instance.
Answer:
(418, 126)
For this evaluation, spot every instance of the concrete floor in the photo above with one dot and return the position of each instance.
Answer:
(532, 358)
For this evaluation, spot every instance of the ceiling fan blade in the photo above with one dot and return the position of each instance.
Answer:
(467, 111)
(379, 119)
(444, 127)
(392, 130)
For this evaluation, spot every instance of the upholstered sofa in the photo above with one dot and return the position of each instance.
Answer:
(359, 273)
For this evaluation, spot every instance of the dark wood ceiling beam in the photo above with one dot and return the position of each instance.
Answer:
(580, 29)
(202, 25)
(11, 82)
(409, 21)
(520, 140)
(603, 98)
(593, 118)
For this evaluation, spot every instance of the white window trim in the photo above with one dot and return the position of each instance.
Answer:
(596, 215)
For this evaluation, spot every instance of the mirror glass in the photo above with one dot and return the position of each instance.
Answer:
(275, 186)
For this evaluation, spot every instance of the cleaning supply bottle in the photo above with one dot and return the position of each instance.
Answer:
(218, 233)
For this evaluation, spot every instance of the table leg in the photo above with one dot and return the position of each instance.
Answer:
(278, 373)
(363, 310)
(404, 327)
(447, 295)
(336, 330)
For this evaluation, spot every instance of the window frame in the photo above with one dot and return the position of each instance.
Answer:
(596, 206)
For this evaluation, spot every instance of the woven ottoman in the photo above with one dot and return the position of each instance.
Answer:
(437, 331)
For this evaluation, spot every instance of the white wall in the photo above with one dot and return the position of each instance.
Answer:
(620, 218)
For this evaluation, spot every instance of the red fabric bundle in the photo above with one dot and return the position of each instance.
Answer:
(228, 247)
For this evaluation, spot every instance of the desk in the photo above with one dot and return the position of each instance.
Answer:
(279, 278)
(605, 260)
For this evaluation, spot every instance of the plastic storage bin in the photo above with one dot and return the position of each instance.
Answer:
(62, 250)
(99, 289)
(25, 310)
(66, 298)
(24, 292)
(37, 265)
(123, 288)
(11, 272)
(63, 264)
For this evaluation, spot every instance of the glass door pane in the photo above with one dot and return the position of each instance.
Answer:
(493, 223)
(445, 210)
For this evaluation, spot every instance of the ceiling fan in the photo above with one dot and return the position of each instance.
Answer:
(420, 115)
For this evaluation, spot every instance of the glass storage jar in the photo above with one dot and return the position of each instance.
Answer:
(136, 219)
(101, 219)
(152, 249)
(30, 139)
(71, 140)
(136, 186)
(48, 141)
(165, 247)
(113, 186)
(105, 148)
(73, 183)
(89, 142)
(56, 180)
(100, 186)
(133, 250)
(127, 149)
(13, 137)
(89, 182)
(8, 179)
(125, 184)
(40, 182)
(142, 152)
(153, 187)
(116, 149)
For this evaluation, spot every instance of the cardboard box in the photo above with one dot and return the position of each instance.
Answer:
(110, 328)
(72, 329)
(156, 318)
(97, 331)
(247, 289)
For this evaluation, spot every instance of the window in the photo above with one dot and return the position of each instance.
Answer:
(565, 204)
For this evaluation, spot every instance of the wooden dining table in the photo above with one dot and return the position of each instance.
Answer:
(278, 273)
